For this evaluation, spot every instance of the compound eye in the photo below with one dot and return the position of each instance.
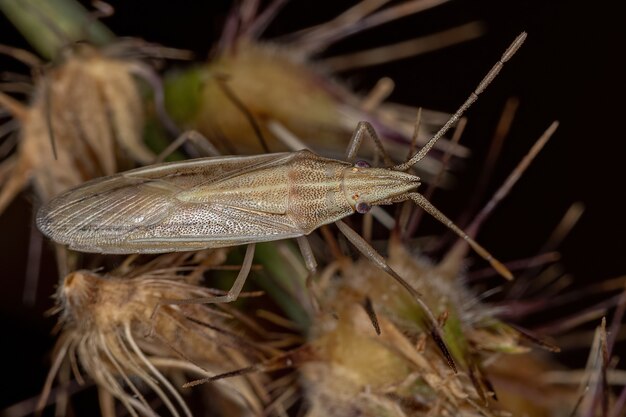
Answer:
(362, 164)
(362, 207)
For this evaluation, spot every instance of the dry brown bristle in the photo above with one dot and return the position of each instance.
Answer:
(107, 329)
(85, 114)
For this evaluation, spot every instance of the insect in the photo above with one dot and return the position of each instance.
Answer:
(236, 200)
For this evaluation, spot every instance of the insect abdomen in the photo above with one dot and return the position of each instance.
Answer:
(265, 190)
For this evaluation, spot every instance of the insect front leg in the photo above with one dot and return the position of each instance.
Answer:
(365, 129)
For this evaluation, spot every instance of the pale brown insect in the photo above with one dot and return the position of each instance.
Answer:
(235, 200)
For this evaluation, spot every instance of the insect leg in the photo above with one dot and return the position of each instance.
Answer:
(370, 253)
(231, 295)
(307, 254)
(191, 135)
(234, 291)
(311, 265)
(365, 129)
(421, 201)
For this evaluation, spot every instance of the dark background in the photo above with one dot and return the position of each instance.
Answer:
(570, 69)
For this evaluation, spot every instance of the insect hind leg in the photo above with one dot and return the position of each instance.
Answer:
(231, 295)
(370, 253)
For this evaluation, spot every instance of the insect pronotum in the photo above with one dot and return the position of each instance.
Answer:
(235, 200)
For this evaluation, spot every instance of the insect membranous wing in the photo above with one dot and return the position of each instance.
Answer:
(139, 211)
(106, 210)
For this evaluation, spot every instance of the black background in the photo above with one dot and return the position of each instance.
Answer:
(571, 69)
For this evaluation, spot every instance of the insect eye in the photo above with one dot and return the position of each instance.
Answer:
(362, 164)
(362, 207)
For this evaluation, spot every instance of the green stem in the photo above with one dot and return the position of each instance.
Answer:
(283, 283)
(51, 25)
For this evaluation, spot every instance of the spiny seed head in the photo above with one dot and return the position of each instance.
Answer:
(402, 369)
(275, 84)
(116, 329)
(85, 120)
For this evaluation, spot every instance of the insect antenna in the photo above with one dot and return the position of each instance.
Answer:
(421, 201)
(491, 75)
(416, 217)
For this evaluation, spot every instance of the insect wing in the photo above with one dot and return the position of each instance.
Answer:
(138, 211)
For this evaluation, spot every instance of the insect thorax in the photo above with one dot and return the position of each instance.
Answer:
(316, 194)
